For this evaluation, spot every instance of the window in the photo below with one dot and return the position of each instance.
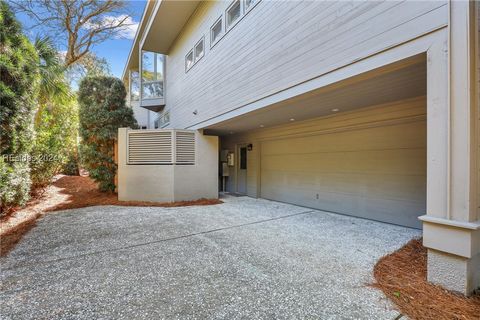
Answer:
(162, 121)
(243, 158)
(195, 54)
(199, 50)
(216, 31)
(189, 60)
(160, 66)
(233, 13)
(134, 86)
(148, 65)
(152, 75)
(249, 4)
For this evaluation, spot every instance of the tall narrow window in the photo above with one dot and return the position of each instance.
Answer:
(134, 86)
(216, 31)
(189, 60)
(160, 66)
(243, 158)
(152, 75)
(148, 66)
(199, 50)
(233, 13)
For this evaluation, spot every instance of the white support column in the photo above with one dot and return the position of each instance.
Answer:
(452, 223)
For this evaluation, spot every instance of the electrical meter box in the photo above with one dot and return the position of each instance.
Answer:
(231, 159)
(225, 170)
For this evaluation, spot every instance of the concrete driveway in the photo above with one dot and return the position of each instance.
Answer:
(246, 258)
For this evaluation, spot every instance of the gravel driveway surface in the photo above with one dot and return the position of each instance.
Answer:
(244, 259)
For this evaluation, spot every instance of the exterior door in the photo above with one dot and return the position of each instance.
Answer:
(242, 169)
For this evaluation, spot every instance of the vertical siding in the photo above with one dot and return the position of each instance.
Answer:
(280, 44)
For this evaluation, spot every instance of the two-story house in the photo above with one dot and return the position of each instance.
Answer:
(363, 108)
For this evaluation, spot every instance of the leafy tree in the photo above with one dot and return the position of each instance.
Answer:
(90, 66)
(102, 112)
(55, 142)
(53, 85)
(19, 79)
(56, 121)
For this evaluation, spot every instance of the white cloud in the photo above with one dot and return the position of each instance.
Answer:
(127, 31)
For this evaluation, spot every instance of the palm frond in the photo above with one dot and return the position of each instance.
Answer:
(54, 87)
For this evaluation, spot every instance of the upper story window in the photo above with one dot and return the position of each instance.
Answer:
(153, 69)
(195, 54)
(199, 49)
(233, 13)
(134, 85)
(249, 4)
(216, 31)
(189, 60)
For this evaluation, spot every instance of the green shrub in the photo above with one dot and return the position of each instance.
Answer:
(71, 167)
(14, 184)
(19, 79)
(56, 121)
(102, 112)
(55, 139)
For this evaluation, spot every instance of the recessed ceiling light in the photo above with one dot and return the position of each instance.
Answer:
(291, 119)
(335, 110)
(261, 126)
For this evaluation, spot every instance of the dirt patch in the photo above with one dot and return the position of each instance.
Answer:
(402, 276)
(80, 192)
(69, 192)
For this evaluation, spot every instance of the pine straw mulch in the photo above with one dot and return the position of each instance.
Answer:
(69, 192)
(402, 276)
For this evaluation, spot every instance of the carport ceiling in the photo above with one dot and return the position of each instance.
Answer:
(379, 86)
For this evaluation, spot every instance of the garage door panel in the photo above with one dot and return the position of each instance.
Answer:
(396, 187)
(413, 136)
(381, 182)
(385, 210)
(374, 161)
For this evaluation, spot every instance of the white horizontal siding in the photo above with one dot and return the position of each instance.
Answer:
(280, 44)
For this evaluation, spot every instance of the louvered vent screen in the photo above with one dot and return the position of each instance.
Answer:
(149, 147)
(185, 147)
(161, 147)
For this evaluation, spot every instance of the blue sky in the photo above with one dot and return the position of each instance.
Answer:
(115, 50)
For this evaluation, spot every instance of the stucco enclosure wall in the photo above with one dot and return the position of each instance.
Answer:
(261, 55)
(370, 162)
(165, 183)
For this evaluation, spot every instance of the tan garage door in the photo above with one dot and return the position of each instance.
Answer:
(377, 173)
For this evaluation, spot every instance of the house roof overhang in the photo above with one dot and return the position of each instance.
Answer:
(161, 23)
(166, 22)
